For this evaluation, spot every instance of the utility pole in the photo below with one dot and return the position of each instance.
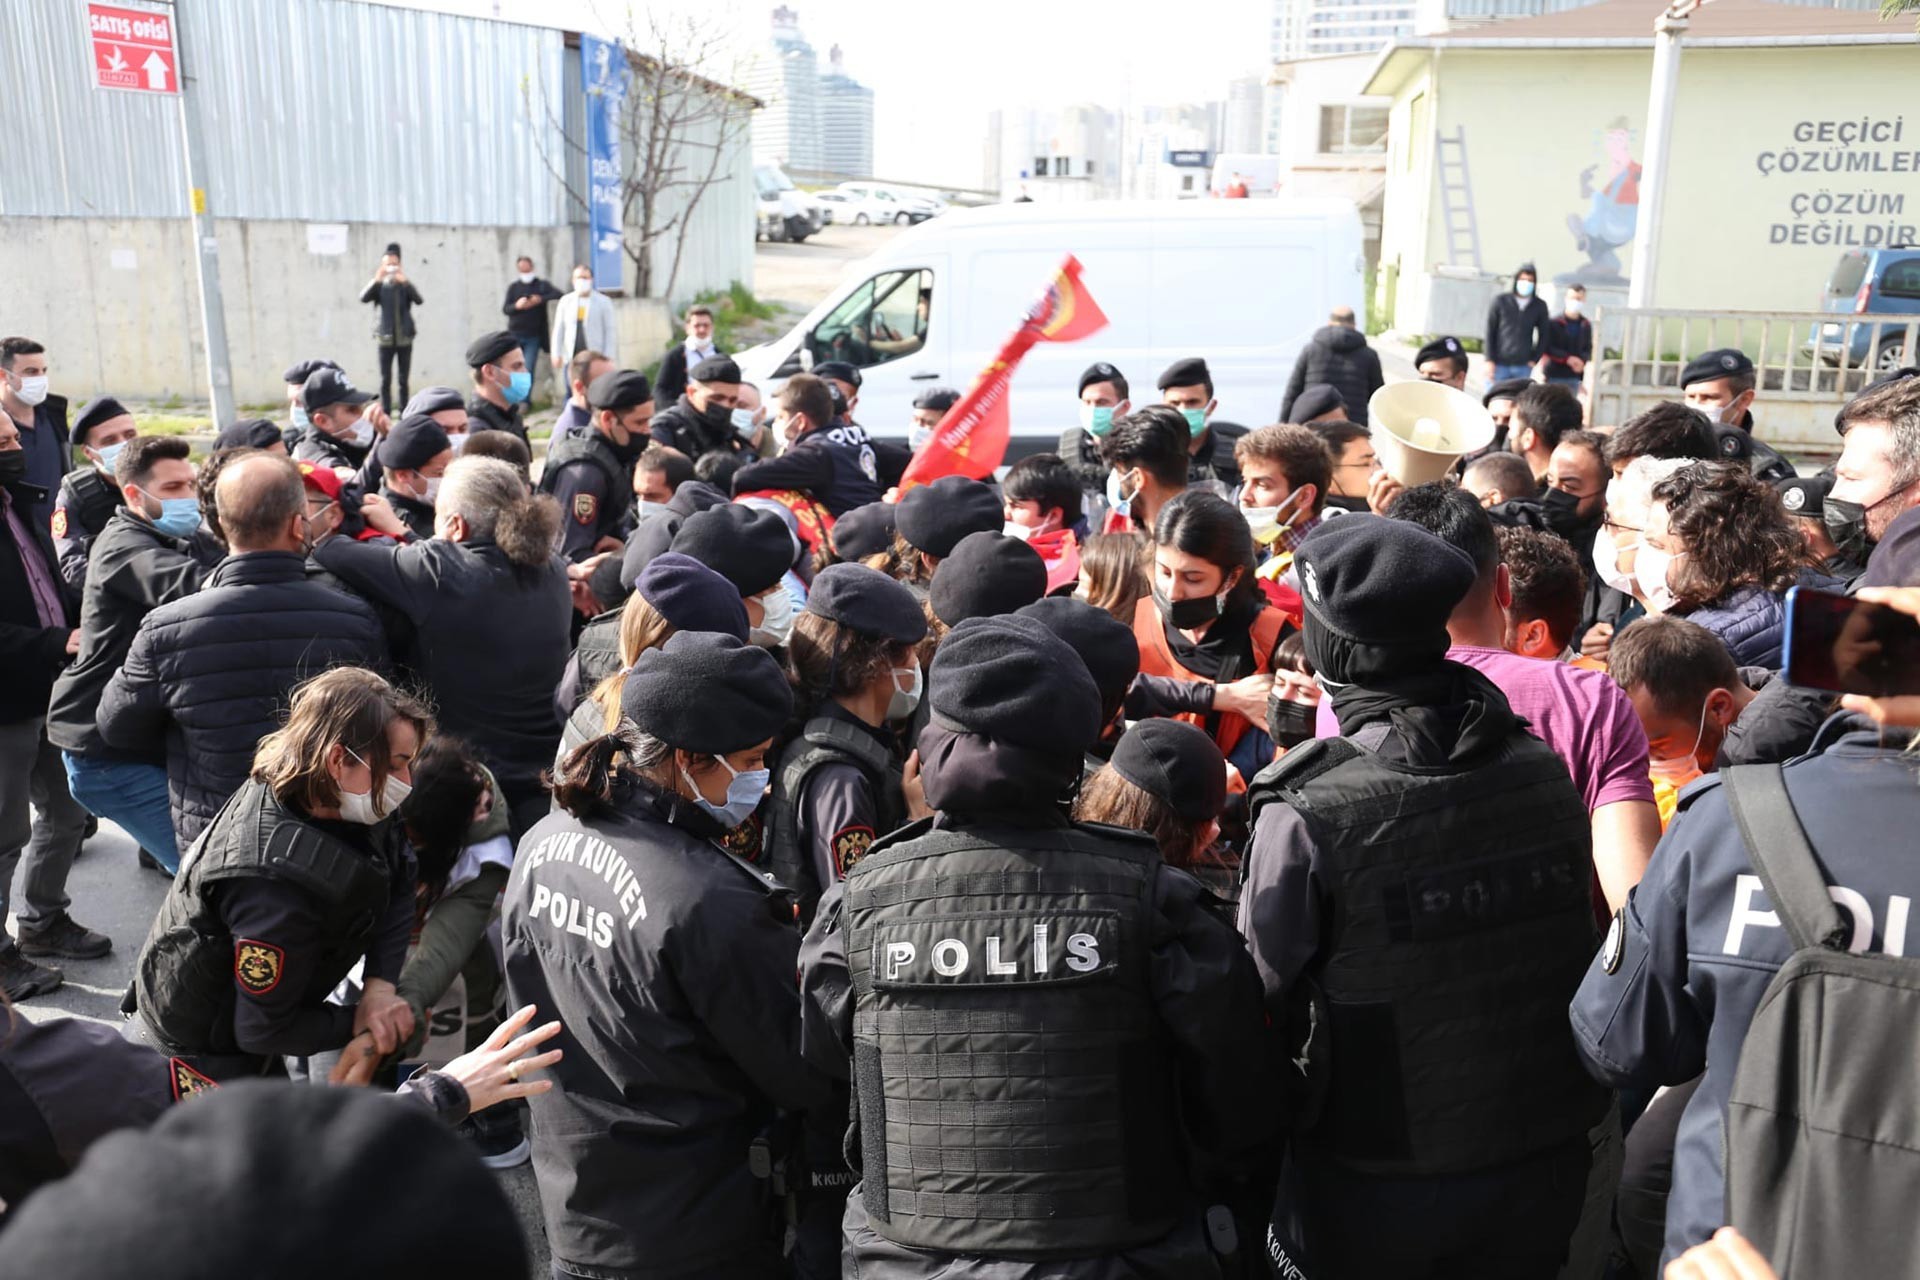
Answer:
(206, 248)
(1668, 28)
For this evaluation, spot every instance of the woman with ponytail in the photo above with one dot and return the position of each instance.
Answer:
(488, 617)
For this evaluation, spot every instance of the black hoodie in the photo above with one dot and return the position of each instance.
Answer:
(1339, 356)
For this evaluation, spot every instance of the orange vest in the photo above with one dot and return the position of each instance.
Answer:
(1156, 659)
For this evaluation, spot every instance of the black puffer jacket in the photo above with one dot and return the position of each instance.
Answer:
(210, 675)
(1340, 357)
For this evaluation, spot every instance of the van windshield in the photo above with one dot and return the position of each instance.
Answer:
(884, 319)
(1847, 277)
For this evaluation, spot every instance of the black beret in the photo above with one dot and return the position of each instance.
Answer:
(1099, 371)
(1177, 764)
(297, 374)
(867, 601)
(691, 596)
(864, 531)
(96, 411)
(255, 1178)
(649, 540)
(434, 400)
(1185, 373)
(1106, 644)
(1382, 582)
(937, 398)
(1440, 349)
(934, 517)
(489, 347)
(1012, 680)
(1726, 362)
(839, 399)
(1895, 561)
(988, 574)
(715, 369)
(1505, 389)
(706, 692)
(1314, 401)
(326, 387)
(249, 433)
(621, 389)
(413, 442)
(749, 548)
(840, 371)
(1731, 443)
(1805, 496)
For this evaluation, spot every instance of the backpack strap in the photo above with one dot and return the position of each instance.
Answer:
(1757, 795)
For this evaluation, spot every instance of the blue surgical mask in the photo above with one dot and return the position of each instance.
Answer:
(1096, 419)
(519, 386)
(1523, 287)
(178, 517)
(743, 794)
(1117, 497)
(742, 420)
(108, 455)
(1196, 420)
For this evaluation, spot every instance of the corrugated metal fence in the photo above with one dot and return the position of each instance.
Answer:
(316, 110)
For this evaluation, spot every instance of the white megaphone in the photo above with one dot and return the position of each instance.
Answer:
(1420, 429)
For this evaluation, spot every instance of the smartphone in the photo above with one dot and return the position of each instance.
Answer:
(1844, 645)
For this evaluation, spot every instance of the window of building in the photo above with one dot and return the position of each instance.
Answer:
(1040, 167)
(1348, 131)
(1089, 168)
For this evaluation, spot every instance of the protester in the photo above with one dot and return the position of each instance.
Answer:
(1668, 430)
(1337, 356)
(1043, 510)
(671, 965)
(591, 475)
(490, 615)
(1500, 479)
(657, 476)
(698, 345)
(1187, 386)
(209, 675)
(831, 465)
(502, 446)
(1103, 400)
(39, 419)
(1878, 474)
(528, 296)
(1114, 574)
(1569, 342)
(1547, 586)
(1617, 545)
(1169, 780)
(1574, 504)
(1516, 328)
(1285, 474)
(501, 384)
(576, 415)
(1542, 414)
(1444, 361)
(583, 321)
(1355, 464)
(394, 297)
(1148, 466)
(702, 419)
(1722, 384)
(88, 495)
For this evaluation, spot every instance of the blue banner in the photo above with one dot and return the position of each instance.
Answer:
(603, 71)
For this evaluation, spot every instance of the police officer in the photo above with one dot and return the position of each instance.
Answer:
(863, 532)
(296, 376)
(931, 519)
(1673, 990)
(1187, 385)
(1721, 384)
(753, 550)
(412, 459)
(1103, 397)
(263, 434)
(929, 407)
(339, 429)
(303, 874)
(671, 967)
(1111, 653)
(707, 416)
(1416, 895)
(89, 494)
(999, 951)
(446, 407)
(501, 384)
(591, 475)
(1444, 361)
(833, 464)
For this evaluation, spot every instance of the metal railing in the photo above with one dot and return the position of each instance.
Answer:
(1807, 364)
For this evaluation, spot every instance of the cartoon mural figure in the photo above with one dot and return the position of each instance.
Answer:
(1613, 209)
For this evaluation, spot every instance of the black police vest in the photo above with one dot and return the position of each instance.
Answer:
(92, 501)
(598, 652)
(824, 740)
(1460, 928)
(1012, 1094)
(595, 450)
(184, 980)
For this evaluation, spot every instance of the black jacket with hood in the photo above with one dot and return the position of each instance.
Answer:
(1339, 356)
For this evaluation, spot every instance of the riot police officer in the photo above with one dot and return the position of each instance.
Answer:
(412, 460)
(338, 429)
(833, 463)
(671, 966)
(501, 384)
(999, 951)
(89, 494)
(591, 474)
(303, 873)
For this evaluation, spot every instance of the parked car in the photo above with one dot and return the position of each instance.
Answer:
(885, 204)
(1868, 284)
(786, 212)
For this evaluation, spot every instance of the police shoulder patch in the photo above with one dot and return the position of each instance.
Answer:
(257, 966)
(849, 845)
(585, 507)
(1616, 944)
(185, 1081)
(59, 522)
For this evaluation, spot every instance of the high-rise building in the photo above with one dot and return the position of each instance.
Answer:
(846, 121)
(1244, 128)
(785, 76)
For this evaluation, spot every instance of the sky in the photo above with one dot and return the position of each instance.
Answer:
(938, 69)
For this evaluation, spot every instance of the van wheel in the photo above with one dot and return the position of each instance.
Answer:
(901, 219)
(860, 220)
(799, 229)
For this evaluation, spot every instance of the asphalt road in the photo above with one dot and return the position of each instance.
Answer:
(112, 894)
(797, 276)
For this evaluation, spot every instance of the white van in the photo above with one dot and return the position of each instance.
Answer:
(1243, 283)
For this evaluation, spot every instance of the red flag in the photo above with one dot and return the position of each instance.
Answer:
(972, 438)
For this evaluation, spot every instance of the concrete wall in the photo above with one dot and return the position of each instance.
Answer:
(117, 305)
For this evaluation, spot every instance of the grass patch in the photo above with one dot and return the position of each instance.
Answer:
(172, 424)
(734, 310)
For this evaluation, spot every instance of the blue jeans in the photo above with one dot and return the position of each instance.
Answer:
(1502, 372)
(530, 348)
(133, 795)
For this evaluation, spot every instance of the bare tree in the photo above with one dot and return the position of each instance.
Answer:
(681, 128)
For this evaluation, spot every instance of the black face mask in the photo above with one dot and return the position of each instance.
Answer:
(1356, 505)
(719, 417)
(1187, 615)
(1846, 524)
(1563, 514)
(1290, 723)
(13, 466)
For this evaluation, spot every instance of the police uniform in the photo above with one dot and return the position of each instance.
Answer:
(326, 387)
(835, 465)
(411, 443)
(482, 413)
(1393, 878)
(1210, 461)
(1048, 1036)
(269, 912)
(987, 574)
(1736, 440)
(1079, 447)
(87, 497)
(670, 967)
(590, 476)
(683, 427)
(1685, 963)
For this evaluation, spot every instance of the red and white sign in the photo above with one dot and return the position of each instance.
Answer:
(133, 49)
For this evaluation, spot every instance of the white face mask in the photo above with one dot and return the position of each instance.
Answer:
(1606, 559)
(360, 434)
(1678, 769)
(526, 277)
(778, 623)
(32, 390)
(431, 487)
(1650, 573)
(457, 443)
(583, 287)
(905, 701)
(1574, 305)
(742, 420)
(358, 806)
(1019, 532)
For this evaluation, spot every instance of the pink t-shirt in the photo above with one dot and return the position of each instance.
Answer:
(1583, 715)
